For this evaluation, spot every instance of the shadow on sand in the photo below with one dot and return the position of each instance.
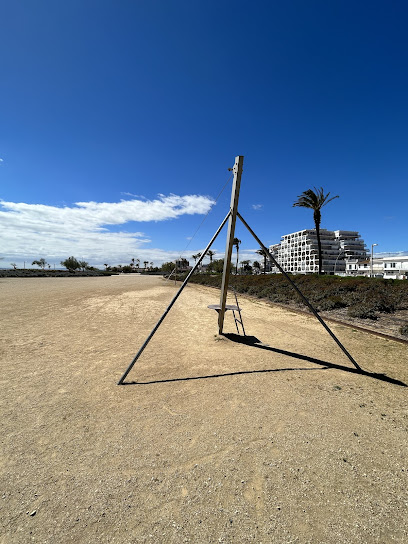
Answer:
(254, 342)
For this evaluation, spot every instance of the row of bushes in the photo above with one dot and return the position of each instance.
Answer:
(34, 273)
(363, 297)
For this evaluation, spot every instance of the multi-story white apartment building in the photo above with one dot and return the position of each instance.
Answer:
(298, 252)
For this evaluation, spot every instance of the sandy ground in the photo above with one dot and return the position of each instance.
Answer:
(214, 441)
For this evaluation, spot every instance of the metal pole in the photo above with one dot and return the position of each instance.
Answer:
(372, 259)
(138, 354)
(236, 184)
(275, 262)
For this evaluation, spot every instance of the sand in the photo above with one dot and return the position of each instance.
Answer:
(213, 441)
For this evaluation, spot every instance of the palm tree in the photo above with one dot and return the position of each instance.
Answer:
(246, 267)
(315, 200)
(236, 242)
(264, 255)
(145, 263)
(211, 254)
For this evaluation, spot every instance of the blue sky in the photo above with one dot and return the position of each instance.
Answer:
(119, 121)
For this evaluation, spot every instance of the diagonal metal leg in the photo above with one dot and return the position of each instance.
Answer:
(138, 354)
(275, 262)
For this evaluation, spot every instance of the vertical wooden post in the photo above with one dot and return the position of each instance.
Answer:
(236, 184)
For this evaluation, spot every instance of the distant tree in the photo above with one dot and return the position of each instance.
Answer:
(236, 243)
(168, 267)
(145, 264)
(71, 264)
(246, 267)
(14, 266)
(211, 254)
(218, 266)
(195, 257)
(151, 265)
(106, 266)
(263, 253)
(256, 266)
(40, 262)
(183, 263)
(83, 265)
(138, 263)
(315, 200)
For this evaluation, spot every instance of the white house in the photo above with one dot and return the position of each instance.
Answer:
(396, 268)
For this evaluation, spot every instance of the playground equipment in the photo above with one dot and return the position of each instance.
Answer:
(222, 307)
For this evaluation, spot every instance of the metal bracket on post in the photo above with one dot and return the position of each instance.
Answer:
(236, 184)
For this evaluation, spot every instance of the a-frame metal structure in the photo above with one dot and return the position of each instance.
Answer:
(231, 218)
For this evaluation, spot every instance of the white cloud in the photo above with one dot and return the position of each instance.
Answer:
(1, 160)
(32, 230)
(257, 206)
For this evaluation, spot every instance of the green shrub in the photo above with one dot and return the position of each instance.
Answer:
(362, 310)
(332, 303)
(404, 329)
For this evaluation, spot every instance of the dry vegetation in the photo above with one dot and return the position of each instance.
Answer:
(278, 441)
(377, 304)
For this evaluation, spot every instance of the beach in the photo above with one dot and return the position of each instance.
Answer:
(211, 439)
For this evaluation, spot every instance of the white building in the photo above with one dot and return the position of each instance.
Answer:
(396, 268)
(298, 253)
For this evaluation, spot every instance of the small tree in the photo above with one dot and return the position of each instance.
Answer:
(167, 267)
(71, 264)
(83, 265)
(14, 266)
(236, 242)
(40, 262)
(218, 266)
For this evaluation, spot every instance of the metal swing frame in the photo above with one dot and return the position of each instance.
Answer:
(222, 307)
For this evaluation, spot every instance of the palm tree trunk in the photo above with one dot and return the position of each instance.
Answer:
(317, 218)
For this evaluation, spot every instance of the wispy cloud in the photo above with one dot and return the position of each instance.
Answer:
(257, 206)
(133, 195)
(1, 160)
(32, 230)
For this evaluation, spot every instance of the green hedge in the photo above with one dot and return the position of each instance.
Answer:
(364, 297)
